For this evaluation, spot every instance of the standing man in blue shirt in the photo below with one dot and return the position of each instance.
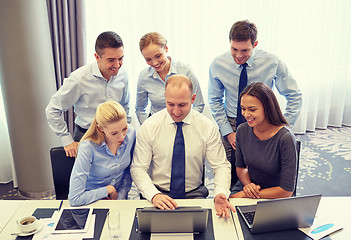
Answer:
(87, 87)
(261, 66)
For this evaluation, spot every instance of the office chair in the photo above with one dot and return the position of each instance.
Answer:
(298, 147)
(61, 171)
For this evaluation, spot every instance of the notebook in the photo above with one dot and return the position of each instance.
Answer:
(180, 220)
(280, 214)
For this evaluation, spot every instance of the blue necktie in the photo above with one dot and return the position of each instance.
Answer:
(242, 85)
(177, 188)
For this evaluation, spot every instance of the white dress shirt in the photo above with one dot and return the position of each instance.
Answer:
(152, 160)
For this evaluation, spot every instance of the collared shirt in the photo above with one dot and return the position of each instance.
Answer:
(154, 149)
(97, 167)
(152, 87)
(262, 67)
(85, 89)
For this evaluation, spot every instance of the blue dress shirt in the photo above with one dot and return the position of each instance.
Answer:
(264, 67)
(96, 167)
(151, 86)
(85, 89)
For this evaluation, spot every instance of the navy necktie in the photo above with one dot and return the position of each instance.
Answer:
(177, 188)
(242, 85)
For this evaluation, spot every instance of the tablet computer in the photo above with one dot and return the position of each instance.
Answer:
(73, 220)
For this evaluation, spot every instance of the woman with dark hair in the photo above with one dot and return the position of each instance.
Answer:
(265, 147)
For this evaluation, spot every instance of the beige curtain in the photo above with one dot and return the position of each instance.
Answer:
(311, 37)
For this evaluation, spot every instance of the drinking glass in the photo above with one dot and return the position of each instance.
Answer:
(114, 224)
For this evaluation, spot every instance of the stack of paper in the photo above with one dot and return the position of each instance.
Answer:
(48, 224)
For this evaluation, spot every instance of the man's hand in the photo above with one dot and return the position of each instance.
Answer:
(231, 139)
(223, 206)
(112, 193)
(164, 202)
(71, 149)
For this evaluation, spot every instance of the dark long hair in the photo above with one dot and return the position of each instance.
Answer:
(270, 103)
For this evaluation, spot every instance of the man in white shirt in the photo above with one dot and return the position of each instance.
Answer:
(152, 162)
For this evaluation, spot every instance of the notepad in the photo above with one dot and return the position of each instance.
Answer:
(321, 228)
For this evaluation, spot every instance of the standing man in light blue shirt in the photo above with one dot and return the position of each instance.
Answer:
(87, 87)
(262, 66)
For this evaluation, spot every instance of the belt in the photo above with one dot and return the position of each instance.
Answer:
(81, 129)
(185, 192)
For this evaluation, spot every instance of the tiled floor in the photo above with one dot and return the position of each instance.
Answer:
(7, 192)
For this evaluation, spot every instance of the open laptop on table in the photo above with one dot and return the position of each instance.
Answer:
(180, 220)
(280, 214)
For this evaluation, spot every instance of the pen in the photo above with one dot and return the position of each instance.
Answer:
(60, 205)
(136, 223)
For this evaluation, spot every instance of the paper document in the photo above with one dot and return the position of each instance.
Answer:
(320, 228)
(48, 224)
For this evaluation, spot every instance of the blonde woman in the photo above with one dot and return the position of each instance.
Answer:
(151, 82)
(101, 169)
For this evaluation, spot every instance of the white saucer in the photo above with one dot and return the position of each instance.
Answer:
(40, 225)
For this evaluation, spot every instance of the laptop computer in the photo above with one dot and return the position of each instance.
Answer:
(180, 220)
(280, 214)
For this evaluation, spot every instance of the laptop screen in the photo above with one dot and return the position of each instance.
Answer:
(183, 219)
(281, 214)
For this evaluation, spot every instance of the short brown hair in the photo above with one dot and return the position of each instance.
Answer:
(243, 31)
(107, 40)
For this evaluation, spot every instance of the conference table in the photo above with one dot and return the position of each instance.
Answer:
(336, 208)
(7, 210)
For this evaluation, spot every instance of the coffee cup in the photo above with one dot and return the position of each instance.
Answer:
(27, 224)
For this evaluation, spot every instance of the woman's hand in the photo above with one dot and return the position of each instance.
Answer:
(252, 190)
(112, 193)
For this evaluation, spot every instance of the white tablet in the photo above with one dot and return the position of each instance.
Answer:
(73, 220)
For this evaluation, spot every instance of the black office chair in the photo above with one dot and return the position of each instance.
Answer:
(61, 171)
(298, 147)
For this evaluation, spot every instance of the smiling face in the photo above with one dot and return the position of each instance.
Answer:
(110, 61)
(115, 132)
(241, 50)
(253, 111)
(178, 101)
(155, 56)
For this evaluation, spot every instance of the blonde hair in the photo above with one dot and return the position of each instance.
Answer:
(107, 112)
(152, 37)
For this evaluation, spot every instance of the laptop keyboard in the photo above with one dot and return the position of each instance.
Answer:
(249, 216)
